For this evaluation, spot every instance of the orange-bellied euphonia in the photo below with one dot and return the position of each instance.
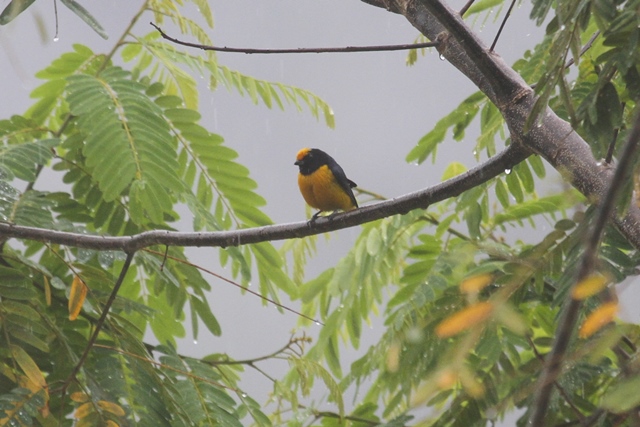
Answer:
(323, 183)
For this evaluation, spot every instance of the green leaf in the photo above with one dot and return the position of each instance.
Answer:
(86, 17)
(473, 217)
(502, 193)
(622, 396)
(308, 368)
(454, 169)
(22, 160)
(536, 164)
(219, 171)
(128, 141)
(15, 285)
(515, 188)
(491, 123)
(204, 312)
(459, 119)
(529, 208)
(482, 5)
(13, 9)
(525, 176)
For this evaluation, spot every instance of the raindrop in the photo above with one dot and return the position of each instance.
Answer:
(195, 342)
(491, 413)
(441, 57)
(507, 171)
(243, 395)
(56, 38)
(317, 323)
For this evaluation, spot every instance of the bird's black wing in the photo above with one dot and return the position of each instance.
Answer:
(342, 179)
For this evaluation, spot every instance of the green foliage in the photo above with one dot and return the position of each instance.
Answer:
(16, 7)
(467, 308)
(129, 147)
(458, 120)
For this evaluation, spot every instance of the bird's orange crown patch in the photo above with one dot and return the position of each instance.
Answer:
(302, 153)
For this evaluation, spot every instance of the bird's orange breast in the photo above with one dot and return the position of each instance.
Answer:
(321, 191)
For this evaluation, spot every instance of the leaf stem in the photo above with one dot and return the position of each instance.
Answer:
(100, 322)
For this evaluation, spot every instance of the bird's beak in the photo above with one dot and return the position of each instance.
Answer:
(297, 162)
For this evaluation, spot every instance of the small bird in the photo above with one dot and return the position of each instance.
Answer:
(323, 183)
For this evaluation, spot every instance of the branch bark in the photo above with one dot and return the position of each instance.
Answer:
(496, 165)
(552, 138)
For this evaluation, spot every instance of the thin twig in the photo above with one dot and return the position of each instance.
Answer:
(429, 218)
(348, 49)
(432, 220)
(504, 21)
(561, 390)
(466, 7)
(100, 322)
(163, 366)
(164, 258)
(568, 320)
(55, 13)
(288, 346)
(327, 414)
(612, 145)
(244, 288)
(584, 49)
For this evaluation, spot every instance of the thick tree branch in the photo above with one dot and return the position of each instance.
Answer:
(496, 165)
(566, 325)
(552, 137)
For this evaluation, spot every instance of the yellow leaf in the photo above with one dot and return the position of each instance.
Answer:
(598, 318)
(475, 284)
(47, 291)
(84, 410)
(76, 297)
(29, 367)
(513, 320)
(89, 421)
(589, 286)
(114, 408)
(424, 392)
(45, 411)
(111, 423)
(393, 357)
(471, 384)
(79, 397)
(464, 319)
(446, 379)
